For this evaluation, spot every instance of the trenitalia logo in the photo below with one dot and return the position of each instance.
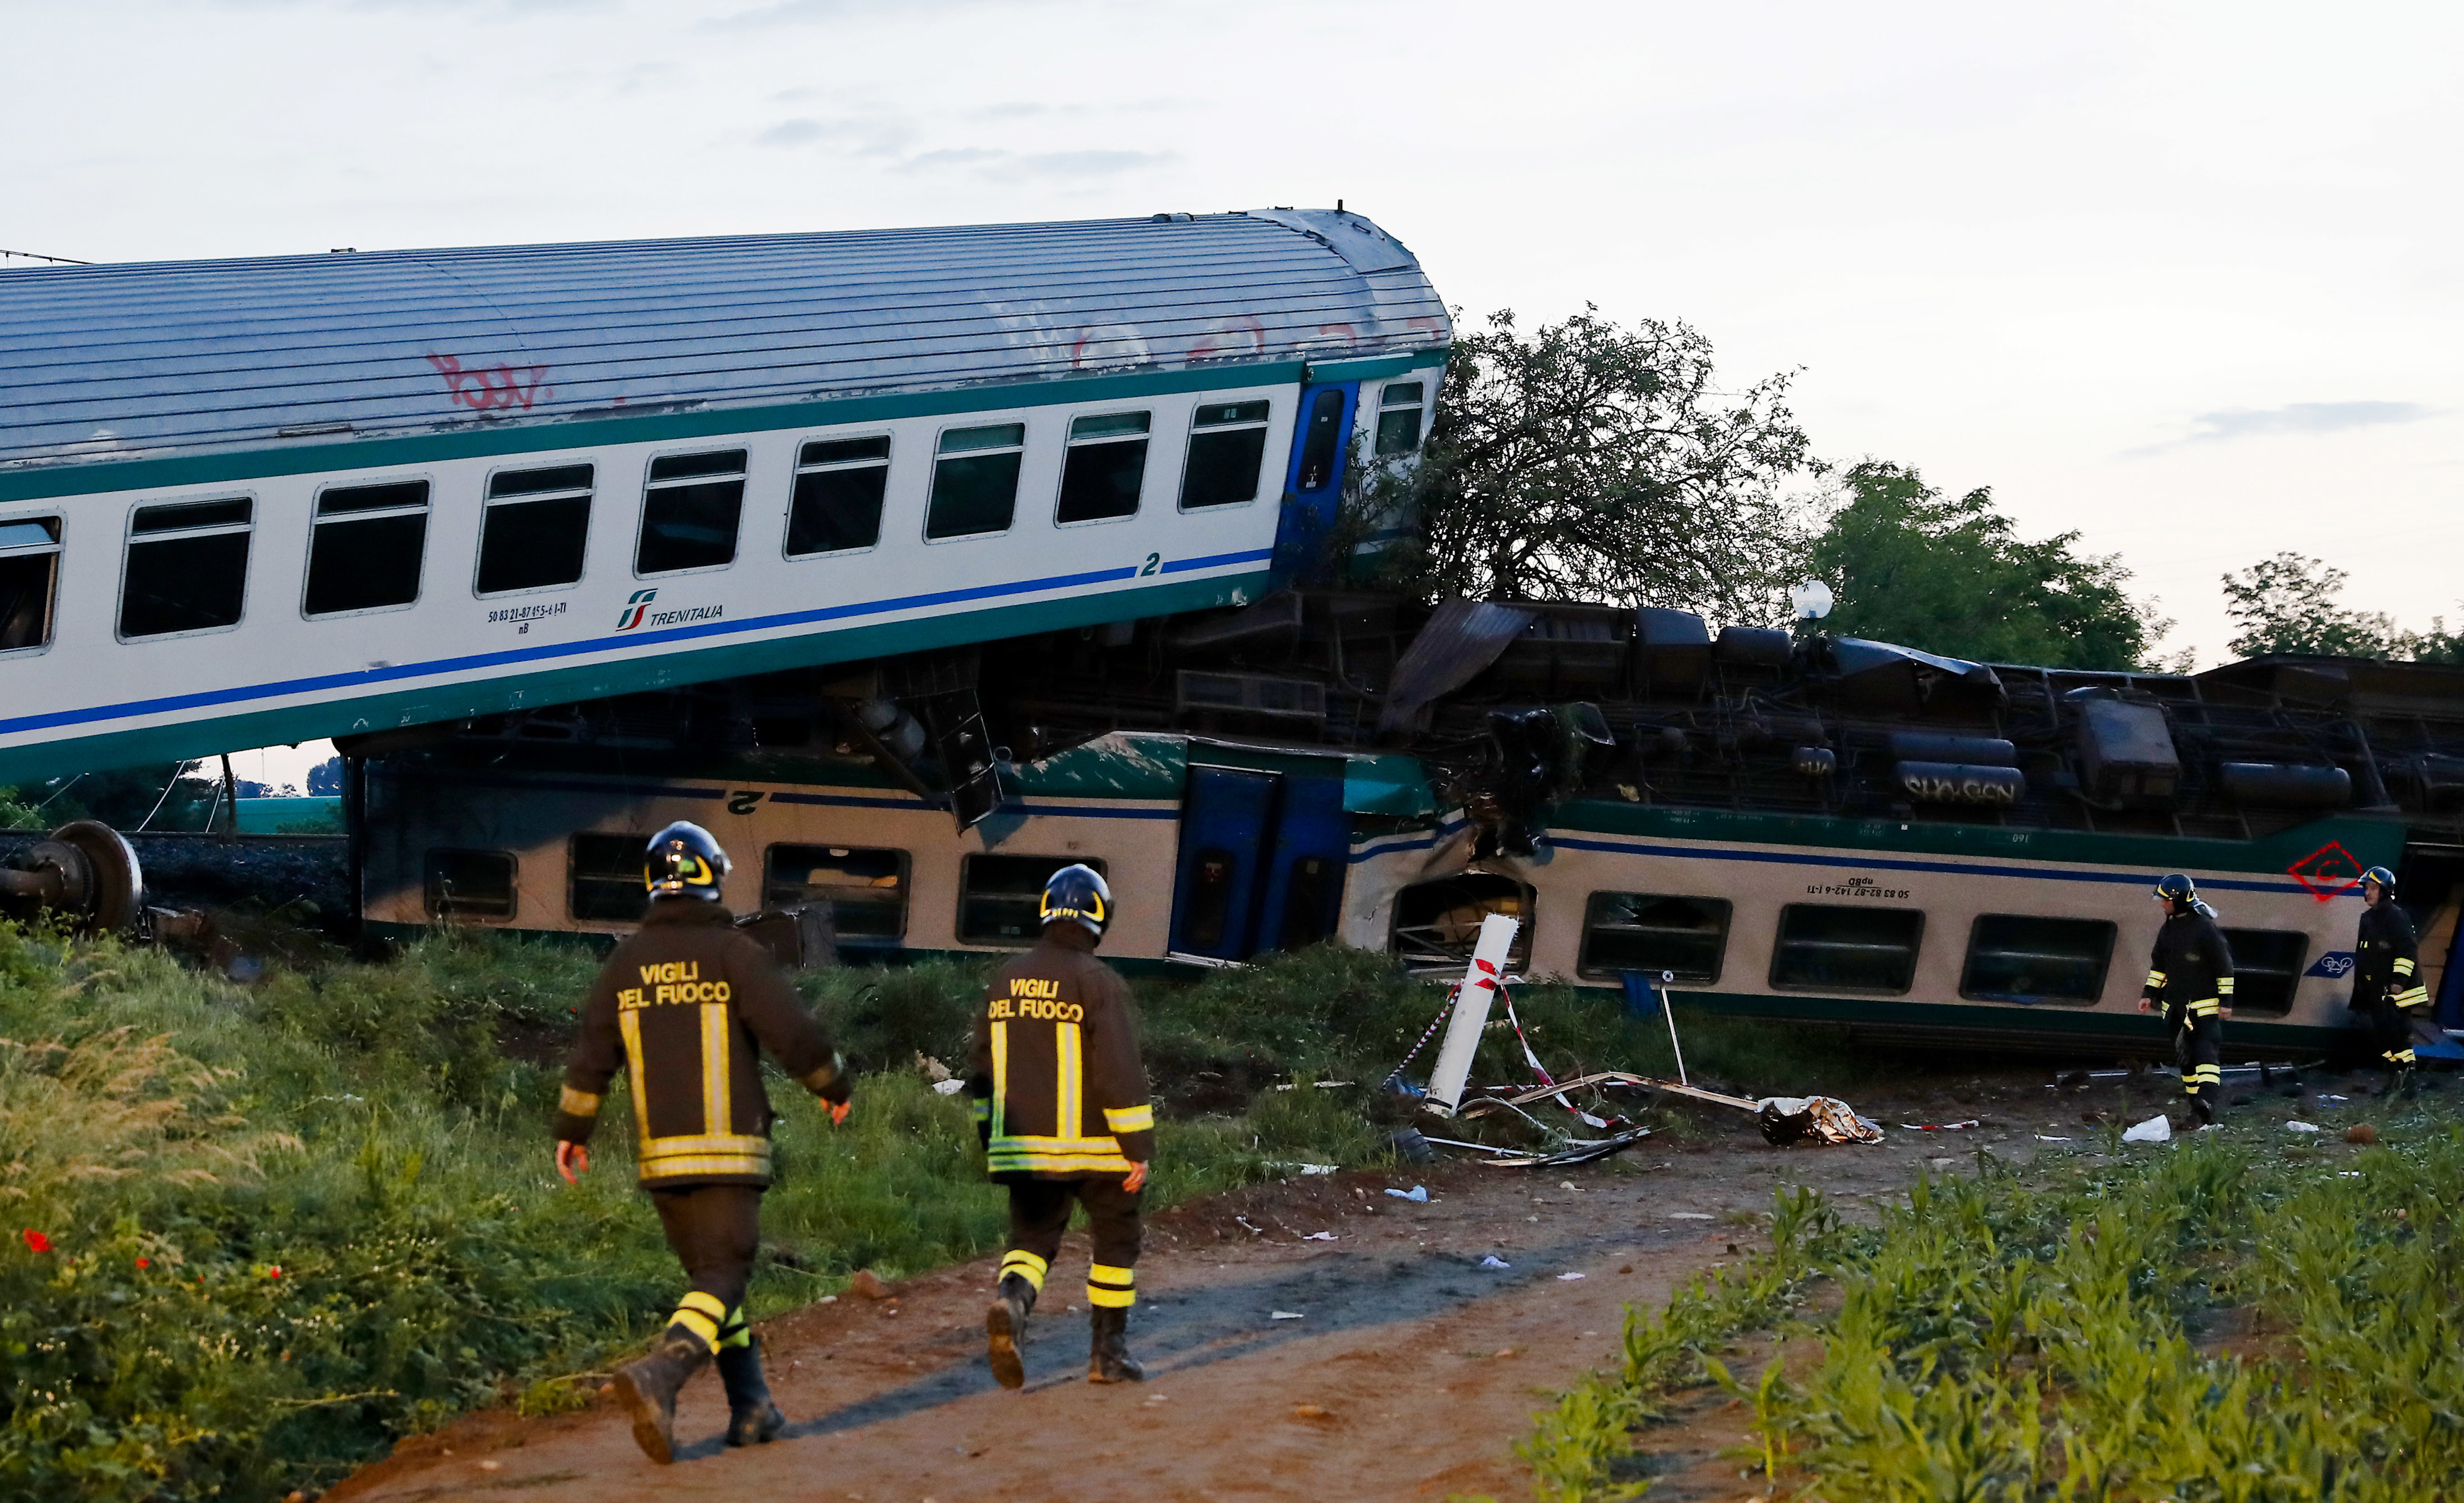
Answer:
(636, 606)
(637, 613)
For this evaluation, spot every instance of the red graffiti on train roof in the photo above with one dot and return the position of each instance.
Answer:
(2327, 871)
(490, 389)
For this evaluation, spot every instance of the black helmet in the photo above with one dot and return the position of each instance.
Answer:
(2384, 878)
(1076, 894)
(683, 858)
(2175, 887)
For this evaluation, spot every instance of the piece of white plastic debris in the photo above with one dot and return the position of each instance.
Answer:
(1942, 1163)
(1568, 1185)
(1319, 1236)
(2325, 1098)
(1690, 1215)
(1568, 1278)
(2042, 1138)
(2155, 1129)
(1285, 1315)
(1417, 1192)
(2300, 1126)
(1494, 1261)
(948, 1087)
(2348, 1174)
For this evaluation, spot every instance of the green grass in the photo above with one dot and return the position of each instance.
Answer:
(2220, 1320)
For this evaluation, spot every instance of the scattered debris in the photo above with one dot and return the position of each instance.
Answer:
(1823, 1118)
(2155, 1129)
(1568, 1278)
(2043, 1138)
(1942, 1163)
(1319, 1236)
(1309, 1412)
(1690, 1215)
(2361, 1132)
(2300, 1126)
(1943, 1126)
(1283, 1314)
(1303, 1168)
(1417, 1192)
(1255, 1231)
(1576, 1151)
(948, 1087)
(1494, 1261)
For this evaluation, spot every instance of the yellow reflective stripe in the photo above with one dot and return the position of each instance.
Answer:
(629, 1023)
(2413, 996)
(699, 1323)
(1002, 1161)
(713, 1164)
(2155, 978)
(714, 1113)
(2403, 966)
(1069, 1080)
(1129, 1118)
(2224, 986)
(2204, 1007)
(1107, 1273)
(1110, 1298)
(1001, 1076)
(577, 1103)
(705, 1302)
(1025, 1265)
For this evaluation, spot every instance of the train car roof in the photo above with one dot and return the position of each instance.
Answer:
(119, 361)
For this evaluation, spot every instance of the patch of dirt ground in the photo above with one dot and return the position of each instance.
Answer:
(1410, 1372)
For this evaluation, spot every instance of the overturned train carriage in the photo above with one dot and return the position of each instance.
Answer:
(1822, 829)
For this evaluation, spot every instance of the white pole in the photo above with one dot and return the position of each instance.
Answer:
(1668, 1011)
(1479, 984)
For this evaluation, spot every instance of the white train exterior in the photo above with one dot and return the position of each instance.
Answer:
(251, 502)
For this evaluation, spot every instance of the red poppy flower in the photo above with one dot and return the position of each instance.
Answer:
(144, 1262)
(274, 1272)
(36, 1241)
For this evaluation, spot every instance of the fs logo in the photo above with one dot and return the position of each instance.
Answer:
(636, 606)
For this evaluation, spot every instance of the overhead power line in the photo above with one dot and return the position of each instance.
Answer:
(55, 260)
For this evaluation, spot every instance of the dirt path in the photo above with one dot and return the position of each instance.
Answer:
(1410, 1373)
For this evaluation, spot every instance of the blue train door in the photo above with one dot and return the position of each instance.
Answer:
(1226, 827)
(1263, 858)
(1313, 483)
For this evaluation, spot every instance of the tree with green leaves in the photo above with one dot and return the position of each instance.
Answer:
(1586, 461)
(2288, 604)
(1909, 564)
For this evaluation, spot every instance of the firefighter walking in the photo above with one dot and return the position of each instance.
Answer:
(1060, 1104)
(2190, 976)
(685, 1006)
(2387, 989)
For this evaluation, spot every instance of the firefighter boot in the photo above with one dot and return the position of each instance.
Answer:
(647, 1387)
(1109, 1360)
(2203, 1109)
(1005, 1327)
(751, 1419)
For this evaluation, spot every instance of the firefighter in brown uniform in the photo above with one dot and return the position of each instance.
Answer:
(685, 1006)
(1061, 1103)
(2385, 987)
(2190, 976)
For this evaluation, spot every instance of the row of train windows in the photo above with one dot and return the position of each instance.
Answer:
(186, 563)
(1827, 946)
(999, 895)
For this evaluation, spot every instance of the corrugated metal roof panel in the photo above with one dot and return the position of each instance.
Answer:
(121, 361)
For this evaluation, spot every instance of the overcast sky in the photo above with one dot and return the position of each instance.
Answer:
(2184, 277)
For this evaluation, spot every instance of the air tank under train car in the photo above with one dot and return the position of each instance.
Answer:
(262, 501)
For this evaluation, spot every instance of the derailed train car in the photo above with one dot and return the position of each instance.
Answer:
(1822, 829)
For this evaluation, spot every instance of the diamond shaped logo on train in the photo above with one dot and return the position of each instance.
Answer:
(2327, 871)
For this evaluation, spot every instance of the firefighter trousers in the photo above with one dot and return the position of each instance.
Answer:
(2199, 1048)
(714, 1230)
(2391, 1032)
(1039, 1213)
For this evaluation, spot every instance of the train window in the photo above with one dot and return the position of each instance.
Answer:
(690, 508)
(536, 529)
(865, 889)
(975, 481)
(1227, 449)
(2013, 958)
(1648, 932)
(30, 572)
(364, 551)
(2267, 965)
(186, 568)
(1000, 896)
(838, 486)
(606, 877)
(470, 884)
(1105, 468)
(1398, 418)
(1829, 947)
(1437, 923)
(1322, 441)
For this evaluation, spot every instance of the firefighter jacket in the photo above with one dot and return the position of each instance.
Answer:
(1059, 1091)
(2386, 960)
(685, 1006)
(2191, 972)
